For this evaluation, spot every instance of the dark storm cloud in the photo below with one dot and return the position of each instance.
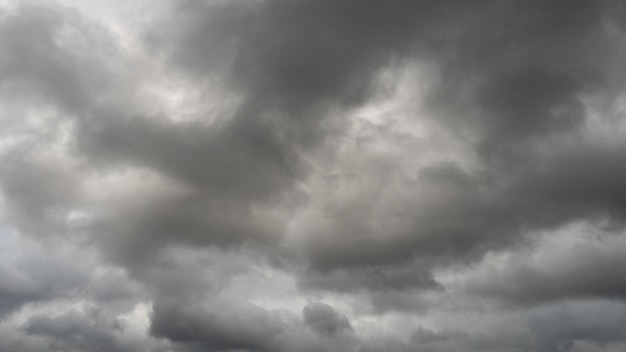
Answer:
(372, 277)
(523, 59)
(227, 168)
(584, 271)
(522, 86)
(510, 73)
(324, 319)
(297, 55)
(465, 216)
(223, 327)
(298, 64)
(233, 160)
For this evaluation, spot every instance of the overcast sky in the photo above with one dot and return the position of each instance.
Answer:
(313, 176)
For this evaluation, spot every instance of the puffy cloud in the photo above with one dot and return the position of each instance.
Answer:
(222, 327)
(324, 319)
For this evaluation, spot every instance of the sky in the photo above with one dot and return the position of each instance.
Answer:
(312, 175)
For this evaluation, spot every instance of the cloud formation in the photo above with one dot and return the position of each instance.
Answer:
(299, 175)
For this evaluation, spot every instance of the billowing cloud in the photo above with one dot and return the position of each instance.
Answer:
(323, 319)
(299, 175)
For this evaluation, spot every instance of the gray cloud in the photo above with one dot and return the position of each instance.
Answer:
(222, 164)
(40, 277)
(223, 327)
(582, 270)
(536, 330)
(324, 319)
(77, 331)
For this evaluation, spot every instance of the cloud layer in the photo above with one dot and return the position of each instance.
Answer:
(298, 175)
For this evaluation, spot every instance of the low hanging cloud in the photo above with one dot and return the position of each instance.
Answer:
(323, 319)
(299, 175)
